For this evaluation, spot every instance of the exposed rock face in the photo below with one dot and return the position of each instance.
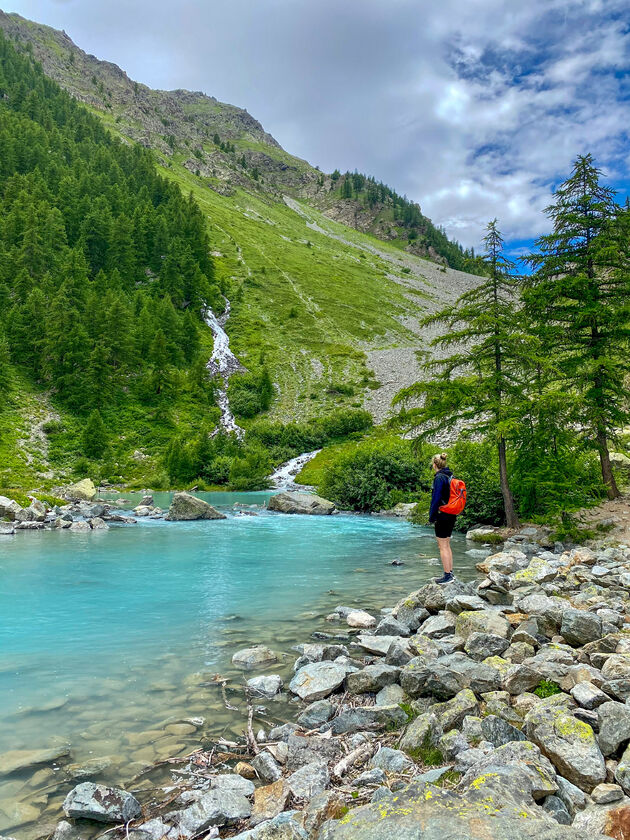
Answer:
(82, 491)
(100, 803)
(185, 507)
(296, 502)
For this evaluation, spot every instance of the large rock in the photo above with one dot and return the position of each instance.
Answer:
(9, 508)
(82, 491)
(296, 502)
(185, 507)
(99, 803)
(309, 780)
(317, 680)
(372, 678)
(614, 726)
(217, 807)
(448, 675)
(369, 718)
(481, 621)
(317, 714)
(580, 627)
(425, 731)
(451, 714)
(285, 826)
(611, 820)
(498, 806)
(568, 743)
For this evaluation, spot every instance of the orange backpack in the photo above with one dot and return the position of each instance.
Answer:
(457, 496)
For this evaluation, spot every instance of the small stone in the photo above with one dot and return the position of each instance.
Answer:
(588, 696)
(267, 686)
(481, 645)
(317, 714)
(556, 808)
(233, 782)
(391, 761)
(360, 618)
(267, 767)
(371, 777)
(245, 770)
(605, 793)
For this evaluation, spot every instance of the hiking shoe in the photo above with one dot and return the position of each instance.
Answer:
(447, 577)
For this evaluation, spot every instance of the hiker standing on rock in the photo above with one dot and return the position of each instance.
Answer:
(447, 500)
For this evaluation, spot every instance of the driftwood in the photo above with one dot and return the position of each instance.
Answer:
(355, 758)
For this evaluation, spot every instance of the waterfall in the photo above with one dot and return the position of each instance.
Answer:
(223, 363)
(283, 477)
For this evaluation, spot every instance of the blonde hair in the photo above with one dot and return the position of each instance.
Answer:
(440, 460)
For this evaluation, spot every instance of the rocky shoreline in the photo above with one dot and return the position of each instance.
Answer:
(495, 708)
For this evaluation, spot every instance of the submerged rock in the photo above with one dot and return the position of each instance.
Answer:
(296, 502)
(15, 760)
(254, 656)
(89, 801)
(185, 507)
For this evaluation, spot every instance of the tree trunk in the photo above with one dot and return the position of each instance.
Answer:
(607, 474)
(511, 518)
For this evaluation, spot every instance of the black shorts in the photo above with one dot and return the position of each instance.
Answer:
(444, 525)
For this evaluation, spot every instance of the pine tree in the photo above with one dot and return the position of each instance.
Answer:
(94, 436)
(479, 382)
(6, 372)
(579, 298)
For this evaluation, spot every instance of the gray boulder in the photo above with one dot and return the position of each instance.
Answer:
(185, 508)
(568, 743)
(391, 695)
(9, 508)
(451, 713)
(297, 502)
(369, 718)
(372, 678)
(286, 826)
(499, 806)
(391, 761)
(580, 627)
(424, 731)
(216, 807)
(446, 676)
(622, 773)
(317, 680)
(499, 732)
(614, 726)
(309, 780)
(317, 714)
(82, 491)
(267, 767)
(481, 645)
(99, 803)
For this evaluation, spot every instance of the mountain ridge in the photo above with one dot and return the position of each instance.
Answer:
(191, 122)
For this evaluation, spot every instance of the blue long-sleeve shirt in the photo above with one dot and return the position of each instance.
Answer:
(441, 491)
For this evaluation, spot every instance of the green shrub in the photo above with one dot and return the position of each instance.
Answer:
(547, 688)
(365, 479)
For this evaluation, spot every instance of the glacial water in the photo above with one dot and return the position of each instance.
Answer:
(108, 638)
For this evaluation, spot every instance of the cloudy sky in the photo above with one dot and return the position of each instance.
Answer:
(474, 108)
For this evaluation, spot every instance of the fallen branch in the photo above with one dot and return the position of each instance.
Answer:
(355, 758)
(251, 738)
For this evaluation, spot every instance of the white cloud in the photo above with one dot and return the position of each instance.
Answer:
(475, 109)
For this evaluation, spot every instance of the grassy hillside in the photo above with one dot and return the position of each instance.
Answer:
(312, 299)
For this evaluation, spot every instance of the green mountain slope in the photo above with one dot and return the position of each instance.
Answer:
(317, 304)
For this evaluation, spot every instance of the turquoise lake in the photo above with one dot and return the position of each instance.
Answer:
(108, 638)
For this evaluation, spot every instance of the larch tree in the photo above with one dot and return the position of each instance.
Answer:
(579, 300)
(477, 379)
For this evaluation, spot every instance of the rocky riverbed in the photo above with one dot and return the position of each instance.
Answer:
(497, 708)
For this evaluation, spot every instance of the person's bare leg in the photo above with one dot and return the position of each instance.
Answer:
(446, 554)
